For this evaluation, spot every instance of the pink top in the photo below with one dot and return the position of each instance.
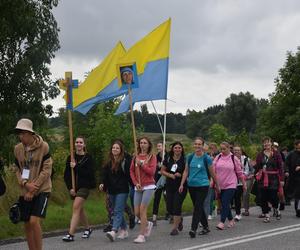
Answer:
(147, 169)
(226, 172)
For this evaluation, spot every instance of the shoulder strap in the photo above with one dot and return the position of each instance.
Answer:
(206, 165)
(190, 158)
(232, 158)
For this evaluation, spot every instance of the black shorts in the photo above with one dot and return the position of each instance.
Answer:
(82, 193)
(36, 207)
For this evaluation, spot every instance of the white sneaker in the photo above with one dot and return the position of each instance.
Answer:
(111, 235)
(140, 239)
(123, 235)
(209, 217)
(238, 217)
(149, 228)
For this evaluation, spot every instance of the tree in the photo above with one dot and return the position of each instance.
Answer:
(218, 133)
(28, 40)
(281, 118)
(240, 113)
(198, 123)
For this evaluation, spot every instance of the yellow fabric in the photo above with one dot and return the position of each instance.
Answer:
(152, 47)
(100, 77)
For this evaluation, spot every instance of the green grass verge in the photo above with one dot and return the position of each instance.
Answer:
(58, 216)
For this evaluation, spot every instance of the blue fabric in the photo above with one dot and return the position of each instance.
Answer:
(226, 197)
(108, 93)
(153, 85)
(119, 203)
(197, 171)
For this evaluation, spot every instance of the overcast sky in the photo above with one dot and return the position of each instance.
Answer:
(218, 47)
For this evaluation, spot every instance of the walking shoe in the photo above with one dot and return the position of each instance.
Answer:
(111, 235)
(87, 233)
(140, 239)
(180, 226)
(123, 234)
(238, 217)
(108, 228)
(131, 221)
(204, 231)
(174, 232)
(281, 206)
(278, 214)
(231, 224)
(267, 219)
(149, 228)
(154, 223)
(192, 234)
(262, 216)
(221, 226)
(246, 213)
(68, 238)
(209, 217)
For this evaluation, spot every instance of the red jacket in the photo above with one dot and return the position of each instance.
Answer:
(147, 167)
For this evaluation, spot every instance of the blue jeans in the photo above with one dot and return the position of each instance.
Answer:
(118, 202)
(209, 200)
(226, 197)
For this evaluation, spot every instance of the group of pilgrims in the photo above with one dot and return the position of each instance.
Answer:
(218, 178)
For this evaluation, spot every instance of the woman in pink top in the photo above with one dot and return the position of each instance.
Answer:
(228, 170)
(142, 172)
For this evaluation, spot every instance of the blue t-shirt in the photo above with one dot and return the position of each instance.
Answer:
(197, 171)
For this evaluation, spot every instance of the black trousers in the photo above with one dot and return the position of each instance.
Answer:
(175, 200)
(238, 199)
(157, 196)
(198, 195)
(268, 195)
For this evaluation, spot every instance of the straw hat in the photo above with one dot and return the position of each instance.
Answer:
(25, 125)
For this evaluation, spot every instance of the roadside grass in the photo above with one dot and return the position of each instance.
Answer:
(58, 216)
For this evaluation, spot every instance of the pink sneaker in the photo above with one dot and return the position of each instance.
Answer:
(140, 239)
(231, 224)
(221, 226)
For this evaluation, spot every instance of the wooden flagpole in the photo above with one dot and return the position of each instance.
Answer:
(134, 133)
(67, 85)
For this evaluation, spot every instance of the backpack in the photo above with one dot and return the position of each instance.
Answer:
(190, 158)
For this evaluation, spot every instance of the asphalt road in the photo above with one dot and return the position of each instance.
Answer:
(249, 233)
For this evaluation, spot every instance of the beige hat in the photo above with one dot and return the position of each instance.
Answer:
(24, 124)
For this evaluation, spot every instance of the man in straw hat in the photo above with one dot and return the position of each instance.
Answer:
(33, 169)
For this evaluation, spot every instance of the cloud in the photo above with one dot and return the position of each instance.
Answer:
(217, 47)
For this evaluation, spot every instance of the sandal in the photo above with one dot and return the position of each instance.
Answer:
(220, 226)
(231, 224)
(68, 238)
(87, 233)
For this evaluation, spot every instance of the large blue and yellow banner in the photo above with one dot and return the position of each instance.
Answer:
(148, 62)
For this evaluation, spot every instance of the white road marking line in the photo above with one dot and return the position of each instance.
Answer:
(234, 239)
(250, 239)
